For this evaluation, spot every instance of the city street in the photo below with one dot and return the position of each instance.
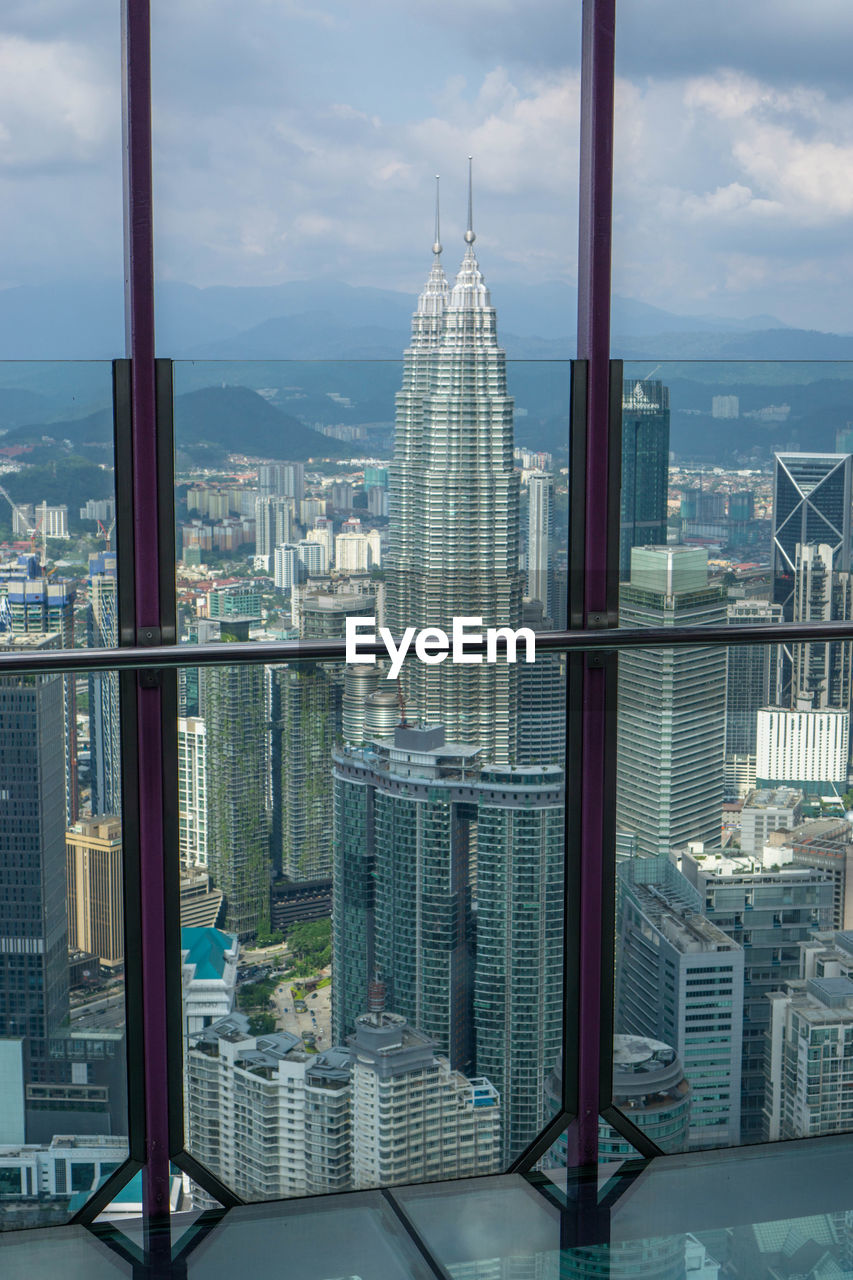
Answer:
(318, 1015)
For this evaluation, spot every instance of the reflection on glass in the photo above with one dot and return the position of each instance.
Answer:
(63, 1118)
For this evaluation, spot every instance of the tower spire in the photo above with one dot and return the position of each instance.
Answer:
(469, 234)
(436, 247)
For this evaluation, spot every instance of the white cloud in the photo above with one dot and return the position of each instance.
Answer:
(56, 104)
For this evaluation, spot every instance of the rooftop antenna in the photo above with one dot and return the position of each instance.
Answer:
(469, 234)
(436, 247)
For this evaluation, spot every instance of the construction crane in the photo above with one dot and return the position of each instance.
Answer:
(32, 531)
(106, 533)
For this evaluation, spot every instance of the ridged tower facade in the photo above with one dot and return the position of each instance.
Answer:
(454, 505)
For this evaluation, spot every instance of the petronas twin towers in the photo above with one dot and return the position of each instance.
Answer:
(454, 504)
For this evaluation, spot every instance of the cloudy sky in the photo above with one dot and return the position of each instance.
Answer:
(298, 139)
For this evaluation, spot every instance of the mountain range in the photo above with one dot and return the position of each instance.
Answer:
(316, 320)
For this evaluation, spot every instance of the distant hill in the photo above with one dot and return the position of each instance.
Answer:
(230, 418)
(239, 420)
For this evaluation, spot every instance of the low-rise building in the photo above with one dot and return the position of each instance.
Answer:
(766, 811)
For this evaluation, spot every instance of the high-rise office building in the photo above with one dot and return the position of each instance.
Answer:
(825, 843)
(34, 605)
(540, 540)
(768, 910)
(237, 838)
(33, 924)
(94, 901)
(104, 721)
(645, 468)
(541, 700)
(192, 791)
(454, 505)
(418, 821)
(679, 978)
(305, 718)
(672, 706)
(750, 685)
(811, 505)
(821, 671)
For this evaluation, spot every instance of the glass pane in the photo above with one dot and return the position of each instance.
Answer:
(63, 1127)
(744, 470)
(374, 907)
(74, 1251)
(732, 961)
(350, 1236)
(728, 228)
(492, 1227)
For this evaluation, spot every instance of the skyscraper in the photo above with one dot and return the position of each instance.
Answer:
(540, 540)
(237, 841)
(454, 504)
(645, 468)
(418, 821)
(306, 718)
(104, 725)
(679, 978)
(751, 671)
(811, 505)
(767, 911)
(33, 925)
(821, 671)
(34, 605)
(192, 791)
(672, 706)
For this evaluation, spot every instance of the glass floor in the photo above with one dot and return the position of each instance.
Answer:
(781, 1212)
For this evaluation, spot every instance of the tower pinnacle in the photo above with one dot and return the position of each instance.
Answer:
(436, 247)
(469, 234)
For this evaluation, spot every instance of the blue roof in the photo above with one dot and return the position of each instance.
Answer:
(206, 949)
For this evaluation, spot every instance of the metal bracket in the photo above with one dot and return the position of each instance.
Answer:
(149, 637)
(596, 659)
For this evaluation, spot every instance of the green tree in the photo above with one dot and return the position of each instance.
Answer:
(261, 1024)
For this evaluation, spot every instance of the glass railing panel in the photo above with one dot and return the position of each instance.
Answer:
(62, 995)
(734, 475)
(62, 955)
(383, 910)
(350, 1235)
(73, 1250)
(718, 250)
(303, 498)
(733, 999)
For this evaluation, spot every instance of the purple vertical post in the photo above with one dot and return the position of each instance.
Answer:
(594, 248)
(139, 317)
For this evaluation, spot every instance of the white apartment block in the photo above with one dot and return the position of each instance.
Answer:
(192, 791)
(413, 1118)
(266, 1116)
(809, 1089)
(358, 552)
(273, 1120)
